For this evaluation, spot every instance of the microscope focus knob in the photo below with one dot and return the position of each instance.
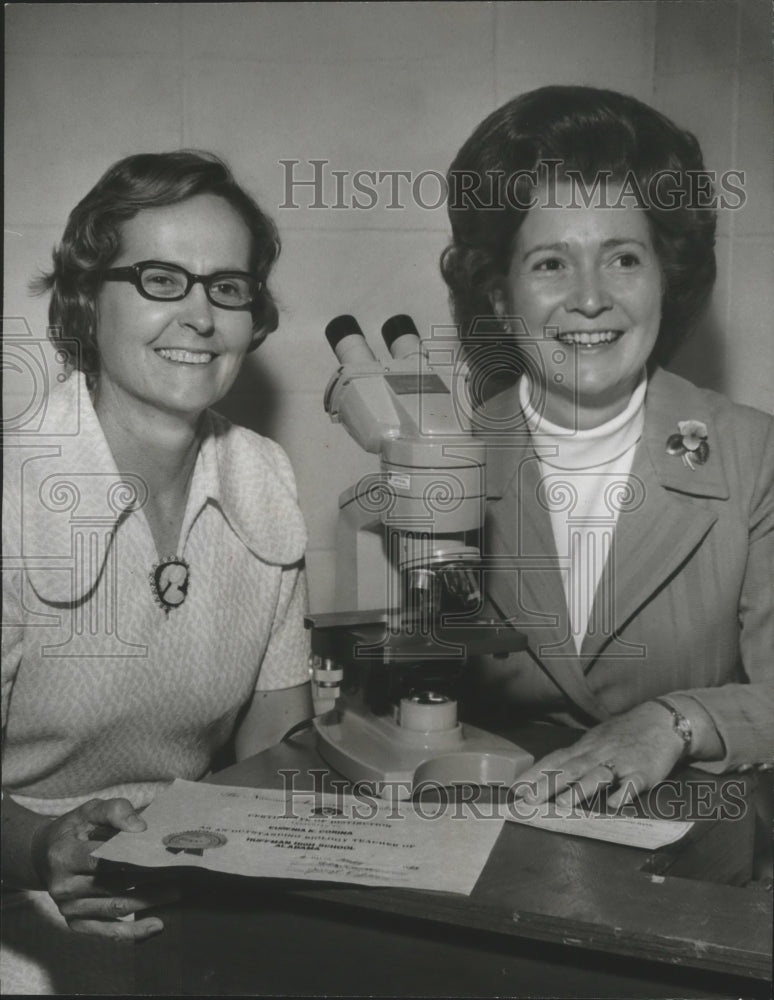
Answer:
(428, 712)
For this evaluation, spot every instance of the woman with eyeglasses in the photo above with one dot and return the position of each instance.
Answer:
(153, 605)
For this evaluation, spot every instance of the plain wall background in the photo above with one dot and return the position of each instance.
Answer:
(379, 86)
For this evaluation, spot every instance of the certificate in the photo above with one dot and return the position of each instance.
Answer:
(306, 835)
(633, 831)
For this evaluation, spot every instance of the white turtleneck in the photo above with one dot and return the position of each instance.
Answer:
(582, 472)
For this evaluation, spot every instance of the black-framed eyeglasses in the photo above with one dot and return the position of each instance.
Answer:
(162, 282)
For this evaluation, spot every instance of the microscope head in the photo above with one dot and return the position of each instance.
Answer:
(427, 501)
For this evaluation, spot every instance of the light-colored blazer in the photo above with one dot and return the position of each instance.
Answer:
(686, 598)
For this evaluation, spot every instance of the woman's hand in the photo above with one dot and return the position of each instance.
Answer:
(631, 753)
(61, 853)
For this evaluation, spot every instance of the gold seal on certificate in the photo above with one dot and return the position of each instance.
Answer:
(193, 841)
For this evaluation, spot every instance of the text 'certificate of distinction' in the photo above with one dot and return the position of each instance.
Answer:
(330, 837)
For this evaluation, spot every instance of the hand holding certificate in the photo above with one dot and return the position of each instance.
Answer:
(335, 838)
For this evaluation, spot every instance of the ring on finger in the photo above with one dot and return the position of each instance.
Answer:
(610, 766)
(119, 908)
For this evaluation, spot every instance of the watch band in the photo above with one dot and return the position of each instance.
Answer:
(681, 725)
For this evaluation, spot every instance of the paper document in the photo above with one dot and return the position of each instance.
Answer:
(332, 837)
(634, 831)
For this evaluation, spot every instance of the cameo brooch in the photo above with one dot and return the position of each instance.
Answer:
(169, 582)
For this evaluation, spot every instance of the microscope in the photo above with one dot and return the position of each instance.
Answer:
(408, 576)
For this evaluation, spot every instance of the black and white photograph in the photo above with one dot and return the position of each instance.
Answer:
(388, 499)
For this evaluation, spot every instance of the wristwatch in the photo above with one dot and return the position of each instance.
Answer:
(681, 725)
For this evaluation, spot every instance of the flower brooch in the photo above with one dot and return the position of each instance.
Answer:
(690, 443)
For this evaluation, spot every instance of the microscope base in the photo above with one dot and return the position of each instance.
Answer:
(395, 761)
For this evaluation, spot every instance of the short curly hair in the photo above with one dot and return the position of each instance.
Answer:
(92, 240)
(589, 133)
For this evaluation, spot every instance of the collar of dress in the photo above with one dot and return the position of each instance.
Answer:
(577, 450)
(668, 400)
(69, 485)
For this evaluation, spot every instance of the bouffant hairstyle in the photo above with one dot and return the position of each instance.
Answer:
(586, 133)
(92, 240)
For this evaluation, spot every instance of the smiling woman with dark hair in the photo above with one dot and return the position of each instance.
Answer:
(587, 139)
(154, 588)
(631, 527)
